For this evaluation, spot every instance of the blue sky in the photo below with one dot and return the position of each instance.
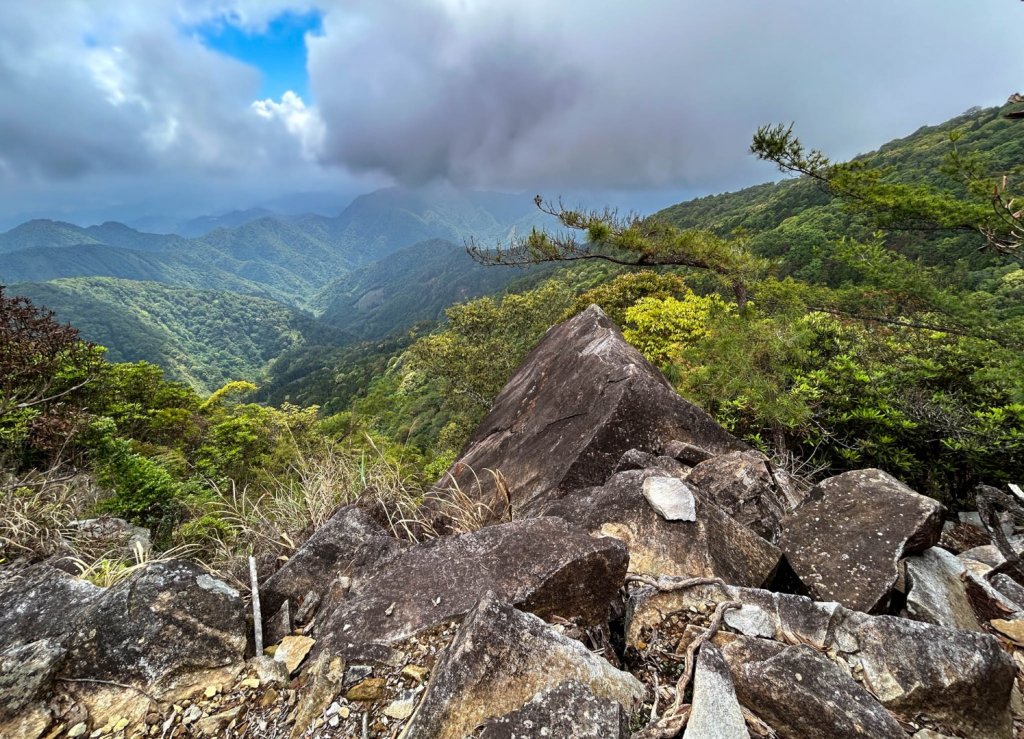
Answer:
(278, 50)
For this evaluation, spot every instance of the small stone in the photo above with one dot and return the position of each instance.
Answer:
(192, 714)
(268, 698)
(269, 670)
(357, 673)
(415, 672)
(402, 708)
(78, 729)
(334, 721)
(345, 712)
(211, 691)
(250, 682)
(292, 650)
(671, 498)
(371, 689)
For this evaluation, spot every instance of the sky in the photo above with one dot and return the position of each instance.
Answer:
(121, 109)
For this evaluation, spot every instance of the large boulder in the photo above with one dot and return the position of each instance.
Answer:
(580, 400)
(936, 590)
(540, 565)
(713, 545)
(961, 679)
(804, 695)
(42, 602)
(501, 661)
(747, 487)
(350, 536)
(846, 539)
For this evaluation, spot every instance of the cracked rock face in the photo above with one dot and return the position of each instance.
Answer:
(540, 565)
(846, 539)
(502, 662)
(580, 400)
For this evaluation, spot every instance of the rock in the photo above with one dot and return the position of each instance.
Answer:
(218, 723)
(328, 554)
(26, 672)
(279, 626)
(714, 545)
(846, 539)
(802, 693)
(634, 459)
(78, 729)
(936, 591)
(581, 399)
(569, 711)
(415, 672)
(987, 601)
(402, 708)
(687, 453)
(1012, 629)
(292, 650)
(746, 486)
(42, 602)
(961, 679)
(370, 689)
(113, 536)
(671, 498)
(1009, 588)
(134, 633)
(269, 671)
(540, 565)
(502, 658)
(716, 713)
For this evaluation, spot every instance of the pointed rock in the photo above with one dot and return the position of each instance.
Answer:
(846, 539)
(500, 660)
(540, 565)
(715, 712)
(713, 545)
(580, 400)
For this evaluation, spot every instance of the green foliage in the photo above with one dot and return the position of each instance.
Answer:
(661, 327)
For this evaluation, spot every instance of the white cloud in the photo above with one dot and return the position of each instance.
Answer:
(300, 121)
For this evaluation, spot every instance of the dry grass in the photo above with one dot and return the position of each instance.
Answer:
(37, 508)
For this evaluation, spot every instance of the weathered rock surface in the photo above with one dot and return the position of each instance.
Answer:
(959, 678)
(687, 453)
(846, 539)
(803, 694)
(671, 498)
(569, 711)
(40, 603)
(26, 672)
(350, 535)
(714, 545)
(540, 565)
(959, 537)
(634, 459)
(580, 400)
(745, 486)
(134, 632)
(500, 660)
(716, 713)
(936, 592)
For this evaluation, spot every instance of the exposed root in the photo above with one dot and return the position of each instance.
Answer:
(668, 584)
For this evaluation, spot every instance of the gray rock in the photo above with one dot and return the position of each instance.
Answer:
(714, 545)
(581, 399)
(41, 603)
(960, 679)
(936, 591)
(687, 453)
(350, 535)
(500, 660)
(540, 565)
(1009, 588)
(279, 626)
(569, 711)
(745, 485)
(715, 712)
(671, 498)
(802, 693)
(109, 534)
(26, 673)
(846, 539)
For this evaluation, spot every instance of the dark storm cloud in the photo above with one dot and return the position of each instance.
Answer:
(643, 94)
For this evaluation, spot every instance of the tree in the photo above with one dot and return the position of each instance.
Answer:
(990, 204)
(44, 366)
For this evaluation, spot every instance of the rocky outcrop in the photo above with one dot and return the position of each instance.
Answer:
(501, 660)
(540, 565)
(569, 711)
(748, 488)
(580, 400)
(26, 673)
(846, 539)
(713, 545)
(349, 538)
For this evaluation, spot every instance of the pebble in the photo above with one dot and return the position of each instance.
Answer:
(78, 729)
(371, 689)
